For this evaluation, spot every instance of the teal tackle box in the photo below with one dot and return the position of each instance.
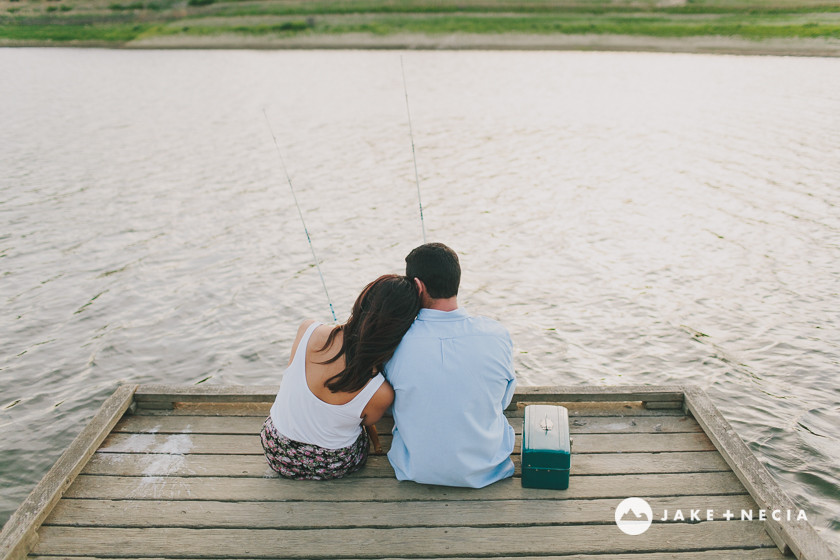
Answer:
(546, 447)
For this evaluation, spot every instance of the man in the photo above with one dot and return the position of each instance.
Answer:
(453, 377)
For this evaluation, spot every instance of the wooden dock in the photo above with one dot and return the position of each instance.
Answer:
(177, 472)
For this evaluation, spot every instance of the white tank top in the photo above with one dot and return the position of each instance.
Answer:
(299, 415)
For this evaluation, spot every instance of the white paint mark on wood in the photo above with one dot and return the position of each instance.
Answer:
(164, 458)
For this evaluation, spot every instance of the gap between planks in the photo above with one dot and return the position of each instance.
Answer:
(291, 515)
(620, 409)
(238, 425)
(408, 542)
(378, 466)
(740, 553)
(182, 444)
(386, 489)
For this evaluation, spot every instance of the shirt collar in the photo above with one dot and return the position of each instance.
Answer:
(437, 315)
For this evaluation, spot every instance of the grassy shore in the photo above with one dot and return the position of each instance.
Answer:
(798, 26)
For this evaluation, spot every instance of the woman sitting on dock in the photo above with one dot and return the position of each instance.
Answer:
(334, 385)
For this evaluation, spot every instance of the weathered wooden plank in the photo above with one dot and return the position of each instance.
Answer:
(386, 489)
(623, 393)
(373, 543)
(625, 424)
(242, 425)
(136, 424)
(654, 405)
(258, 409)
(308, 515)
(633, 409)
(803, 540)
(740, 553)
(255, 466)
(157, 396)
(250, 444)
(21, 528)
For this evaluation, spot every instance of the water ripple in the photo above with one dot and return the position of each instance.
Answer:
(632, 218)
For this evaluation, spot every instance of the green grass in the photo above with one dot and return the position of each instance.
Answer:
(64, 33)
(281, 29)
(155, 6)
(649, 26)
(126, 20)
(321, 7)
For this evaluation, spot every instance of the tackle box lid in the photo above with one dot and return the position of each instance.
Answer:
(545, 440)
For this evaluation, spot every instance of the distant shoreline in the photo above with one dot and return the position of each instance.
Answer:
(811, 47)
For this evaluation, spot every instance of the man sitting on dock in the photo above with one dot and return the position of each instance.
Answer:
(453, 377)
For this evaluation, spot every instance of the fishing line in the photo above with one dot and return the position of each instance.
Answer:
(300, 213)
(413, 153)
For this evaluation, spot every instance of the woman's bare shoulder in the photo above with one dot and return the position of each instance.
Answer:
(305, 325)
(301, 331)
(319, 335)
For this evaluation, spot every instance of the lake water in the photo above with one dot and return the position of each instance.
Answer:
(632, 219)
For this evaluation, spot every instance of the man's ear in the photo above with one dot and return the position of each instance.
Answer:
(421, 287)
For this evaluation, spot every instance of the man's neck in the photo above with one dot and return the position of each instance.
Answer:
(448, 304)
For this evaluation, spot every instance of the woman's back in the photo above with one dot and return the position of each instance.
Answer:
(318, 372)
(305, 409)
(334, 385)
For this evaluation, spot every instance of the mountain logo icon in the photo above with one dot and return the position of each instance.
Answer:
(633, 516)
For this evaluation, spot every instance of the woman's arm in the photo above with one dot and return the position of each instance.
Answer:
(378, 404)
(300, 333)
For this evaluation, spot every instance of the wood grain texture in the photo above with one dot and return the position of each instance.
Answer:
(308, 515)
(622, 393)
(594, 408)
(185, 476)
(158, 396)
(740, 554)
(378, 489)
(255, 466)
(19, 531)
(408, 542)
(803, 540)
(202, 444)
(244, 425)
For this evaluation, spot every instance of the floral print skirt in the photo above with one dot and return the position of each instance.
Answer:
(304, 461)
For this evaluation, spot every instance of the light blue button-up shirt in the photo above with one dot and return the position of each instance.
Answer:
(453, 377)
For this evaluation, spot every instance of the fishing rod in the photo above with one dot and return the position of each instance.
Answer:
(413, 153)
(300, 213)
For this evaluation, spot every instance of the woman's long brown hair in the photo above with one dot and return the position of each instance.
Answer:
(382, 314)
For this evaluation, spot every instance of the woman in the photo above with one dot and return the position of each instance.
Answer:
(334, 385)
